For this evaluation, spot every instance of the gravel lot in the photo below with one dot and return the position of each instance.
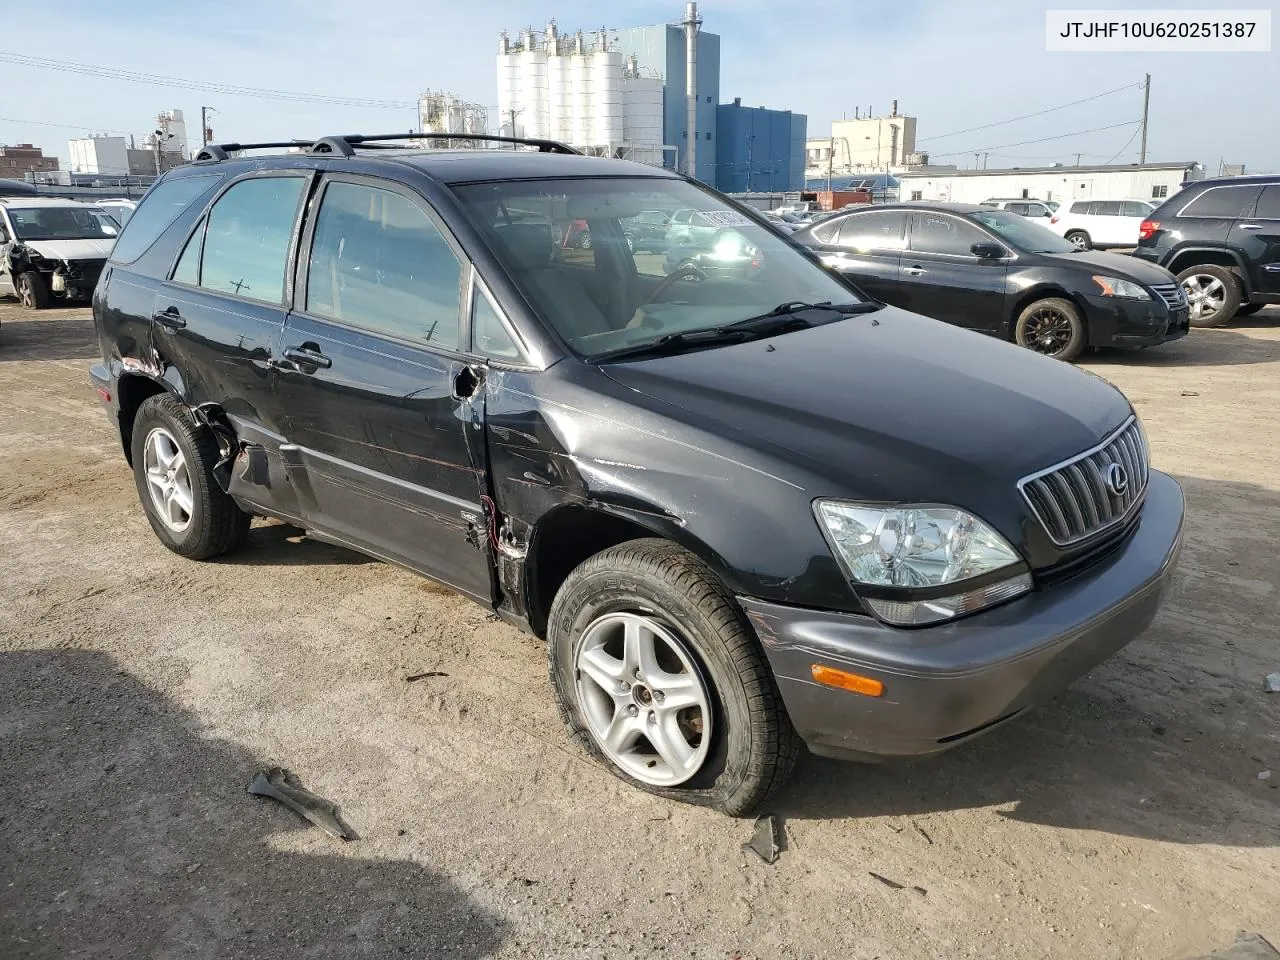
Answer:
(139, 692)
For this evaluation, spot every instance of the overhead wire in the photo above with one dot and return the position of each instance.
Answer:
(1023, 143)
(1028, 116)
(1126, 144)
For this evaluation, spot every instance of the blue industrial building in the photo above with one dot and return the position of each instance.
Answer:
(758, 149)
(661, 49)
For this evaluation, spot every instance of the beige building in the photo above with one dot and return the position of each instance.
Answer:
(863, 145)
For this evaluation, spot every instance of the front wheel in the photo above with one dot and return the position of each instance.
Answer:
(1213, 294)
(1053, 327)
(33, 291)
(173, 461)
(658, 676)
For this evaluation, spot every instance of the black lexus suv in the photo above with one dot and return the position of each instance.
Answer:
(1222, 239)
(746, 510)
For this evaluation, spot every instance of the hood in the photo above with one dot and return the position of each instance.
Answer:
(888, 406)
(71, 249)
(1113, 265)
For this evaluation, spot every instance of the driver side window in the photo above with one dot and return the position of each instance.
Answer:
(950, 236)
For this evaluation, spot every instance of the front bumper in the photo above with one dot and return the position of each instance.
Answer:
(1116, 322)
(946, 684)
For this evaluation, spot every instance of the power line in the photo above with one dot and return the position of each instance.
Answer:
(1023, 143)
(67, 126)
(1126, 144)
(228, 89)
(1038, 113)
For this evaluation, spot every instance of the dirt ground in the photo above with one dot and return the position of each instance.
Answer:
(139, 692)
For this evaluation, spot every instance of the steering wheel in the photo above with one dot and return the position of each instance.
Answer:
(686, 271)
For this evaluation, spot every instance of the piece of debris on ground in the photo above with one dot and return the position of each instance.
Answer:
(766, 841)
(1248, 946)
(282, 785)
(413, 678)
(892, 884)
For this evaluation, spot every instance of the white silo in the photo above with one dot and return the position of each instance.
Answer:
(508, 85)
(606, 95)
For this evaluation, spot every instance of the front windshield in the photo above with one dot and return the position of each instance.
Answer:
(1023, 234)
(63, 223)
(571, 247)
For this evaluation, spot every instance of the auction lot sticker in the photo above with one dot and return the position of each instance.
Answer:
(1158, 31)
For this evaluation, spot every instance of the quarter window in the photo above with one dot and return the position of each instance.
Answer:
(246, 243)
(1220, 202)
(490, 336)
(934, 233)
(188, 269)
(378, 262)
(1106, 208)
(162, 205)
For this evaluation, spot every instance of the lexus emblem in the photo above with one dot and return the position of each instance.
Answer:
(1117, 480)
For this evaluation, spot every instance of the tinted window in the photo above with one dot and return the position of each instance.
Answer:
(1106, 208)
(1220, 202)
(162, 205)
(188, 268)
(1269, 203)
(246, 243)
(377, 261)
(867, 232)
(1080, 206)
(934, 233)
(1133, 208)
(488, 333)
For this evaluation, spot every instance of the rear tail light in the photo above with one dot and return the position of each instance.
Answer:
(1054, 218)
(1147, 229)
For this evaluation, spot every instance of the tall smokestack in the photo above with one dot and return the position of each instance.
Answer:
(894, 112)
(691, 24)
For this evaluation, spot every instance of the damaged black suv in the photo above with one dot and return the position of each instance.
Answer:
(746, 509)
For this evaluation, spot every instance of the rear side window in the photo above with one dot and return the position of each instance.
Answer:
(158, 209)
(1269, 203)
(246, 242)
(873, 232)
(1107, 208)
(1221, 202)
(378, 262)
(1132, 208)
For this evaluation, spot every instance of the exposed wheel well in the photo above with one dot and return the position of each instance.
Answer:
(131, 391)
(561, 541)
(1194, 258)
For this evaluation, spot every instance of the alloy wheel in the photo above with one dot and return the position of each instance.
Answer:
(1047, 331)
(1206, 295)
(168, 480)
(1079, 240)
(26, 294)
(643, 698)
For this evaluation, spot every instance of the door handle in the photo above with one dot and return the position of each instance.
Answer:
(1250, 226)
(914, 271)
(1271, 267)
(169, 318)
(306, 356)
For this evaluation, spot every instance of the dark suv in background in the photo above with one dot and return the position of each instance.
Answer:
(1222, 239)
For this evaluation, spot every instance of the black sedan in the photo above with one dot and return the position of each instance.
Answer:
(998, 273)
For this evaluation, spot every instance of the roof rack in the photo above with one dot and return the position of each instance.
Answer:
(221, 151)
(345, 145)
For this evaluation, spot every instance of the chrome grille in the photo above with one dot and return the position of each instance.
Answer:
(1077, 499)
(1170, 293)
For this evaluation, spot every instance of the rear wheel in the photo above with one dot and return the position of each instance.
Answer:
(33, 291)
(659, 677)
(1053, 327)
(173, 460)
(1080, 238)
(1213, 294)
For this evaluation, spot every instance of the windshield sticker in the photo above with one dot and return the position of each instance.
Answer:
(725, 218)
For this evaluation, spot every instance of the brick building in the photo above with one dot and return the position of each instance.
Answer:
(23, 158)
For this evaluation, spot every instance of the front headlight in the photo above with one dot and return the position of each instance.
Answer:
(919, 564)
(1126, 289)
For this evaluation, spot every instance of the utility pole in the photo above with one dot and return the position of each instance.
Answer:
(1078, 156)
(984, 161)
(204, 125)
(831, 156)
(1146, 109)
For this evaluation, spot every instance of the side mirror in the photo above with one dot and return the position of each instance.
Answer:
(987, 250)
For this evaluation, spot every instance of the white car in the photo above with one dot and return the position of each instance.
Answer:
(52, 250)
(121, 210)
(1099, 224)
(1031, 209)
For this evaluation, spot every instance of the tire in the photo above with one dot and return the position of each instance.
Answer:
(213, 523)
(1213, 293)
(631, 242)
(584, 240)
(750, 748)
(1248, 309)
(32, 290)
(1080, 238)
(1053, 327)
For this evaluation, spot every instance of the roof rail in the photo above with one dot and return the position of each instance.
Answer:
(345, 145)
(221, 151)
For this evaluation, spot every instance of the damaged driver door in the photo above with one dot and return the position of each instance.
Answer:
(383, 410)
(7, 288)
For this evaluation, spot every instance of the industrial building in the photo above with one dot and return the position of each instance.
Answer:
(19, 159)
(864, 145)
(449, 113)
(120, 156)
(1134, 181)
(758, 149)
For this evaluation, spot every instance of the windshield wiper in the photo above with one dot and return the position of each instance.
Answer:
(792, 308)
(674, 343)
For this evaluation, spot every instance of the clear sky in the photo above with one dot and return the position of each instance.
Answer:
(954, 65)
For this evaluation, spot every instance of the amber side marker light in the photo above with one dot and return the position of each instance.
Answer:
(831, 677)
